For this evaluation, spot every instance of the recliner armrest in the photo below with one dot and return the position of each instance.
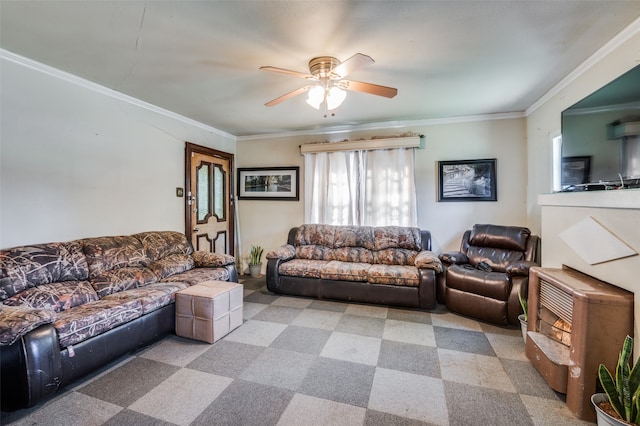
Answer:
(519, 268)
(454, 257)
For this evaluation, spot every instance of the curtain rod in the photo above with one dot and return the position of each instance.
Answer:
(363, 145)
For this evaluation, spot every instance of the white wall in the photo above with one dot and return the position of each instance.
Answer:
(75, 162)
(267, 222)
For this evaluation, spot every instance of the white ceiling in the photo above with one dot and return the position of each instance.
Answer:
(200, 59)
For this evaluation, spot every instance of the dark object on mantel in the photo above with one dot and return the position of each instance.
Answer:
(602, 186)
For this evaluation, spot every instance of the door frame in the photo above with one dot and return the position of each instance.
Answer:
(191, 148)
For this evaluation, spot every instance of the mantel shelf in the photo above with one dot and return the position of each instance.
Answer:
(613, 199)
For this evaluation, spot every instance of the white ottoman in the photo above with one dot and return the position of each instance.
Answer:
(209, 310)
(236, 297)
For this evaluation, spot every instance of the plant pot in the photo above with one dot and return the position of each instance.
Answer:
(254, 270)
(523, 326)
(604, 419)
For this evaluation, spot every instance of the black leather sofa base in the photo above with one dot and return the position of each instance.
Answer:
(34, 368)
(423, 296)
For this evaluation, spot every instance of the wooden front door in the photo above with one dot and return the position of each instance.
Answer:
(209, 202)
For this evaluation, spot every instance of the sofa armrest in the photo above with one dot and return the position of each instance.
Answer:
(31, 369)
(273, 275)
(233, 272)
(285, 252)
(16, 321)
(454, 257)
(519, 268)
(205, 259)
(427, 259)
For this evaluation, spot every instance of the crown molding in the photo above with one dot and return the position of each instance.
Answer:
(601, 109)
(81, 82)
(620, 38)
(383, 125)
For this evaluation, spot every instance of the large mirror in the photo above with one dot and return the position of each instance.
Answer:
(601, 137)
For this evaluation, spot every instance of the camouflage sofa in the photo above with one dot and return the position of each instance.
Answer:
(383, 265)
(70, 307)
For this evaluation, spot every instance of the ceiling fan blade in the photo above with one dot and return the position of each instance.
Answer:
(352, 64)
(289, 72)
(289, 95)
(374, 89)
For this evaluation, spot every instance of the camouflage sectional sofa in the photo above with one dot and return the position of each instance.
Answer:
(387, 265)
(69, 307)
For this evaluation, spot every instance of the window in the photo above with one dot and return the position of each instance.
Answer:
(374, 187)
(556, 161)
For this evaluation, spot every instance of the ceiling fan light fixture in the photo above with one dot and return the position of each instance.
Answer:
(335, 97)
(329, 88)
(316, 96)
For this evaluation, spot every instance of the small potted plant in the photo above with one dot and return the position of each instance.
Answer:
(620, 405)
(524, 317)
(255, 261)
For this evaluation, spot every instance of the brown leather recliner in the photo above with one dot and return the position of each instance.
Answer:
(482, 280)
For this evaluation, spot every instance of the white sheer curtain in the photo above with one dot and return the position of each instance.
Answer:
(373, 188)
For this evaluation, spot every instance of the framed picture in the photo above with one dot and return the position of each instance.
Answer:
(467, 180)
(269, 183)
(575, 170)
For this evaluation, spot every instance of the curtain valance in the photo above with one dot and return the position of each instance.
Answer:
(361, 145)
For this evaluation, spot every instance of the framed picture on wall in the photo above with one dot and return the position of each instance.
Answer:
(467, 180)
(269, 183)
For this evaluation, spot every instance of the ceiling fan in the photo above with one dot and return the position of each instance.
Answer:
(327, 74)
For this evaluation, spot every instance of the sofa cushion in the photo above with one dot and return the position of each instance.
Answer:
(29, 266)
(395, 256)
(108, 253)
(302, 268)
(204, 259)
(160, 244)
(198, 275)
(497, 258)
(397, 237)
(152, 297)
(109, 282)
(284, 252)
(352, 254)
(354, 236)
(171, 265)
(394, 275)
(314, 252)
(497, 236)
(82, 322)
(313, 234)
(16, 321)
(345, 271)
(55, 296)
(493, 285)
